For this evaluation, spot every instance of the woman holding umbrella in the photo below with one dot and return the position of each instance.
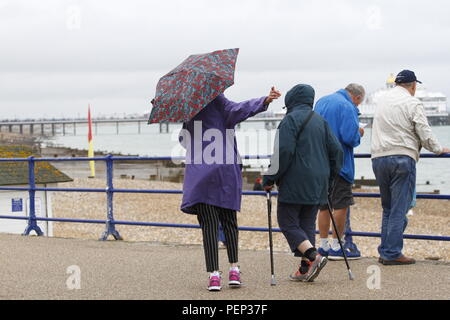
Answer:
(192, 93)
(212, 189)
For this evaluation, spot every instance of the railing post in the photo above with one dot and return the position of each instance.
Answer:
(110, 226)
(32, 224)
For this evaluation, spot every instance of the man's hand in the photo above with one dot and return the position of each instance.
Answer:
(445, 150)
(268, 188)
(274, 94)
(361, 131)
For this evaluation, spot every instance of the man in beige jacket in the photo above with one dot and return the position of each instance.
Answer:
(400, 129)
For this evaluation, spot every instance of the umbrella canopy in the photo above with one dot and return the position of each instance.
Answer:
(187, 89)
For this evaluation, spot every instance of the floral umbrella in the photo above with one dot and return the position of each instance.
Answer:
(187, 89)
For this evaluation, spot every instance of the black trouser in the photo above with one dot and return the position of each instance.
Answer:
(209, 217)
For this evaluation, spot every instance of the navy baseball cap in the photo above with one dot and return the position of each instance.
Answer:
(406, 76)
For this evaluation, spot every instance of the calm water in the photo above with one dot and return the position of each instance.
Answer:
(252, 139)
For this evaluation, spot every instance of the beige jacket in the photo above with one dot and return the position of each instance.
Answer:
(400, 126)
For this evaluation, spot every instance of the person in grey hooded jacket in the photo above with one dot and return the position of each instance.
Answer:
(307, 158)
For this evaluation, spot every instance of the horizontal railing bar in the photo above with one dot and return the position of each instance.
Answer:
(122, 158)
(422, 155)
(71, 189)
(53, 159)
(405, 236)
(245, 193)
(418, 196)
(56, 219)
(194, 226)
(146, 158)
(15, 188)
(52, 189)
(147, 191)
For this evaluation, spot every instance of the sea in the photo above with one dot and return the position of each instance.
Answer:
(253, 138)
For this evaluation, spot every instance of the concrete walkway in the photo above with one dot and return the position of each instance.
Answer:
(37, 268)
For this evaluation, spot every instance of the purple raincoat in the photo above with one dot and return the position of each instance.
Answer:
(213, 166)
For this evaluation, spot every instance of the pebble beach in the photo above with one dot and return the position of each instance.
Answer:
(431, 217)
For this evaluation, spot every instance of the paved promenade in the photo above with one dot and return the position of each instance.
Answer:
(37, 268)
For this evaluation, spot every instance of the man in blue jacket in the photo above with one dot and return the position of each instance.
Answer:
(340, 111)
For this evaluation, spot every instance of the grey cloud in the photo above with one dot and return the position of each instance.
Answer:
(115, 51)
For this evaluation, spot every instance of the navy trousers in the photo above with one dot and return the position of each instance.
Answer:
(297, 223)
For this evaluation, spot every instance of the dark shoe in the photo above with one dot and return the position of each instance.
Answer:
(400, 261)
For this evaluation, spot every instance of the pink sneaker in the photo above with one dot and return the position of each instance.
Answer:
(214, 283)
(234, 279)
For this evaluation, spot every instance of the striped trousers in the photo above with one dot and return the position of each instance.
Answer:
(209, 217)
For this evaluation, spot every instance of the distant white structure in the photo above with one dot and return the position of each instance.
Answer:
(435, 103)
(17, 203)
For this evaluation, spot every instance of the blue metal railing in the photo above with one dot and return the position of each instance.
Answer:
(110, 190)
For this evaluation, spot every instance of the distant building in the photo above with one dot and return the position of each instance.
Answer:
(16, 203)
(435, 104)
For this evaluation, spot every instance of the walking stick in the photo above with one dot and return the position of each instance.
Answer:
(269, 211)
(330, 210)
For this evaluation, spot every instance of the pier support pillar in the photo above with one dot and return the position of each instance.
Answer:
(163, 127)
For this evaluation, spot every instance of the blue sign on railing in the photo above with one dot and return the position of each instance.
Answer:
(17, 205)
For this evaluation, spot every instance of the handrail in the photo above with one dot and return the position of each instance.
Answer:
(168, 158)
(195, 226)
(162, 191)
(110, 190)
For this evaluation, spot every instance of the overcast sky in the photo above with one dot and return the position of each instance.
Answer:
(57, 56)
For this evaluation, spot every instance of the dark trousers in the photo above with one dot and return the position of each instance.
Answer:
(209, 217)
(297, 223)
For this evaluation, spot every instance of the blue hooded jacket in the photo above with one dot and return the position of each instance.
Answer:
(342, 116)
